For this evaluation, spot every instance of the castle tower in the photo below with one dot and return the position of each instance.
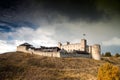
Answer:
(22, 48)
(59, 44)
(68, 43)
(83, 44)
(90, 49)
(96, 50)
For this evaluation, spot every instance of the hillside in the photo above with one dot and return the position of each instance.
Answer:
(23, 66)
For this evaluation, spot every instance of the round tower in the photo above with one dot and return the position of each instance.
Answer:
(83, 44)
(96, 52)
(68, 43)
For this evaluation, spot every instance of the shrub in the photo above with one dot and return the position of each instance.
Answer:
(108, 72)
(117, 55)
(108, 54)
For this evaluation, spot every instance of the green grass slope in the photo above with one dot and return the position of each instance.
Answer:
(23, 66)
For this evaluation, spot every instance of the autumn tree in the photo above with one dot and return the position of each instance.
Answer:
(108, 72)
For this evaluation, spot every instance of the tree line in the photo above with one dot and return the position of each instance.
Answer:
(108, 54)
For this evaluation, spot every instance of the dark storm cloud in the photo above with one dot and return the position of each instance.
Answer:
(5, 4)
(73, 9)
(88, 10)
(111, 6)
(6, 26)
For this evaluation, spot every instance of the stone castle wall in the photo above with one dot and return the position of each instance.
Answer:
(76, 55)
(22, 49)
(51, 54)
(71, 47)
(94, 50)
(31, 51)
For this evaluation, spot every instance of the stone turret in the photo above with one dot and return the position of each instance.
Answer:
(83, 44)
(22, 48)
(59, 44)
(96, 52)
(68, 43)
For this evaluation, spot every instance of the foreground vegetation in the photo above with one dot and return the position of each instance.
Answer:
(23, 66)
(108, 72)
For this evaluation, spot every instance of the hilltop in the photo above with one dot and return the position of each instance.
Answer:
(23, 66)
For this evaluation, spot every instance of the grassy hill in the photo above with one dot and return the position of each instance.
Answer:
(23, 66)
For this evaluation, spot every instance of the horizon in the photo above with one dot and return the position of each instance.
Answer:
(47, 22)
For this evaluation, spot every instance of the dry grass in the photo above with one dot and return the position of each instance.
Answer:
(23, 66)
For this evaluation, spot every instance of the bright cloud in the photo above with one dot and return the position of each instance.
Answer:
(113, 42)
(5, 47)
(37, 37)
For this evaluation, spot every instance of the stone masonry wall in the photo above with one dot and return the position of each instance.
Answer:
(22, 49)
(49, 54)
(96, 52)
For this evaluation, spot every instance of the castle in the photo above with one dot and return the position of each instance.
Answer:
(67, 50)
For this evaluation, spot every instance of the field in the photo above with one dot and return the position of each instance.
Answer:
(23, 66)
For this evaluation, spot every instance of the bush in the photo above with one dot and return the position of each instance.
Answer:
(117, 55)
(108, 72)
(108, 54)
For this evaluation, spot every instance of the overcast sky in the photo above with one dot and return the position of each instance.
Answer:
(46, 22)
